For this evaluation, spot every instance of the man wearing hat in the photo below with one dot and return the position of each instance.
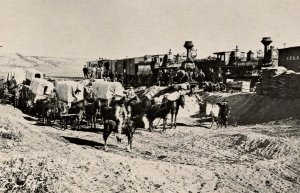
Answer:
(131, 94)
(224, 111)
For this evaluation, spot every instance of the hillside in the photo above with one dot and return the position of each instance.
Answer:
(48, 65)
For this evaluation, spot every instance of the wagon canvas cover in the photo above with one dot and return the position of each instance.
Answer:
(38, 86)
(66, 91)
(107, 90)
(30, 73)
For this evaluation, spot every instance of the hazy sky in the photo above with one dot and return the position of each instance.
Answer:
(120, 28)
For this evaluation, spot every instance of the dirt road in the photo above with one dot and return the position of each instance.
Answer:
(252, 158)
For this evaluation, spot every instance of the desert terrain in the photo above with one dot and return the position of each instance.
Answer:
(51, 66)
(258, 152)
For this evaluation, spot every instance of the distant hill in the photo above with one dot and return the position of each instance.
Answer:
(48, 65)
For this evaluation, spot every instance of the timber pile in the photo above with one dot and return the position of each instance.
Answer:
(279, 83)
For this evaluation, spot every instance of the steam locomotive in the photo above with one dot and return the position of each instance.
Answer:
(232, 64)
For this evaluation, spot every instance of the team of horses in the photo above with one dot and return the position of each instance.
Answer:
(93, 111)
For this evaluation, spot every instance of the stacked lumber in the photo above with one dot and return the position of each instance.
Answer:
(279, 82)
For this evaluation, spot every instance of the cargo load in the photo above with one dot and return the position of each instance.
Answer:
(279, 83)
(107, 90)
(85, 82)
(152, 91)
(69, 91)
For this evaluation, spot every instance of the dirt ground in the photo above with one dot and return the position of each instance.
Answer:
(191, 158)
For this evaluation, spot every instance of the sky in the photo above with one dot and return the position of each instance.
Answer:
(127, 28)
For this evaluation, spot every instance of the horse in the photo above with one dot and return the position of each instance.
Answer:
(128, 129)
(162, 110)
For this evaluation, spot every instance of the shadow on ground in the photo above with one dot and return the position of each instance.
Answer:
(83, 142)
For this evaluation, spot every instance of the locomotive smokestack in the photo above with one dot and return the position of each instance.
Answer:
(188, 45)
(266, 41)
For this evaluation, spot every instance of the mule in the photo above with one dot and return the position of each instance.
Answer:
(78, 110)
(92, 111)
(162, 110)
(138, 110)
(111, 126)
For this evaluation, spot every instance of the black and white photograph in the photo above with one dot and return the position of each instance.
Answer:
(149, 96)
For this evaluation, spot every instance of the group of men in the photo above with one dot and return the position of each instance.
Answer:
(11, 90)
(93, 72)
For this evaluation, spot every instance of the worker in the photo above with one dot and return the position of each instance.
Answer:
(201, 77)
(131, 94)
(120, 116)
(85, 71)
(224, 112)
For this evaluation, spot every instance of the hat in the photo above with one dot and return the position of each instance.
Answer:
(131, 87)
(225, 101)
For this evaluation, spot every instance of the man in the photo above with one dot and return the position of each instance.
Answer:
(201, 77)
(220, 75)
(120, 116)
(131, 94)
(171, 77)
(212, 76)
(94, 70)
(85, 72)
(98, 72)
(224, 112)
(160, 74)
(88, 91)
(53, 96)
(16, 92)
(13, 83)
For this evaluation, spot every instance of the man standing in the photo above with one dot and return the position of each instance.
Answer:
(224, 112)
(16, 92)
(212, 76)
(201, 77)
(120, 116)
(85, 72)
(94, 70)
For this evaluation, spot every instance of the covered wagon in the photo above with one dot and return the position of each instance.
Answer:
(41, 88)
(107, 90)
(69, 91)
(33, 74)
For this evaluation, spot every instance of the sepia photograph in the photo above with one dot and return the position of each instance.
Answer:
(149, 96)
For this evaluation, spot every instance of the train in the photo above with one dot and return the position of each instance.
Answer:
(232, 64)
